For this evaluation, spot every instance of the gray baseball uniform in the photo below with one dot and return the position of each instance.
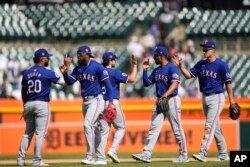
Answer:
(36, 86)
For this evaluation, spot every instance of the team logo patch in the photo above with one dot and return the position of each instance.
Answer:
(175, 76)
(123, 74)
(228, 75)
(57, 76)
(105, 72)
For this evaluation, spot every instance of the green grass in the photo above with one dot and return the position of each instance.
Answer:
(123, 164)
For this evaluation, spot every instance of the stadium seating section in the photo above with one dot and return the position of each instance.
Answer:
(74, 21)
(216, 22)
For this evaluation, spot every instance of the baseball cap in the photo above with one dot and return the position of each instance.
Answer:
(160, 50)
(42, 53)
(85, 49)
(108, 55)
(208, 44)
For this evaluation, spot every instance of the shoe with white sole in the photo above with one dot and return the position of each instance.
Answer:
(40, 164)
(141, 157)
(20, 162)
(113, 156)
(222, 158)
(88, 161)
(100, 162)
(200, 157)
(181, 158)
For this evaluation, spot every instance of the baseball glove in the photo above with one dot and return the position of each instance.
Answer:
(162, 105)
(234, 111)
(110, 113)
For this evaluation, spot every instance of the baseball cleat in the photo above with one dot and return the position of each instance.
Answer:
(141, 157)
(41, 164)
(113, 156)
(181, 158)
(200, 157)
(21, 163)
(88, 161)
(221, 159)
(100, 162)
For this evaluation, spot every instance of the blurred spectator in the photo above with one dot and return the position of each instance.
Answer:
(186, 56)
(192, 90)
(136, 48)
(148, 41)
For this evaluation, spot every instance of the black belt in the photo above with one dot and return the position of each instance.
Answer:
(86, 98)
(209, 94)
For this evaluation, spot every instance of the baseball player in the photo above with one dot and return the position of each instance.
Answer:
(90, 74)
(36, 86)
(166, 79)
(213, 74)
(116, 77)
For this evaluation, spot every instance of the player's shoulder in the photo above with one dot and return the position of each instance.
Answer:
(220, 61)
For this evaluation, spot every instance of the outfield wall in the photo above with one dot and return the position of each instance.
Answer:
(65, 134)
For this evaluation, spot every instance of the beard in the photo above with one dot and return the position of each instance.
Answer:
(80, 62)
(46, 64)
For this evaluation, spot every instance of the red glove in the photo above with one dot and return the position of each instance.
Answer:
(110, 113)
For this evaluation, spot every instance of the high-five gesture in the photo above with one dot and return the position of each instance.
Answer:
(146, 64)
(177, 60)
(133, 60)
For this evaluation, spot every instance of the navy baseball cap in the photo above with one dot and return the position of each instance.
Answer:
(208, 44)
(160, 50)
(108, 55)
(85, 49)
(42, 53)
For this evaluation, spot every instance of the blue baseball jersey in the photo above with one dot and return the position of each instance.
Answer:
(116, 77)
(90, 78)
(162, 77)
(212, 76)
(37, 80)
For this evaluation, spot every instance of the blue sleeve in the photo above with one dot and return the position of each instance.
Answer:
(225, 73)
(53, 77)
(121, 77)
(102, 73)
(195, 70)
(147, 81)
(109, 90)
(70, 78)
(174, 74)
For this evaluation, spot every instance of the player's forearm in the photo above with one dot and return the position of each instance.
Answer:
(109, 89)
(69, 80)
(24, 94)
(132, 76)
(230, 93)
(171, 89)
(146, 81)
(185, 72)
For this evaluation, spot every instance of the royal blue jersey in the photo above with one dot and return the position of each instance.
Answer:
(162, 77)
(89, 76)
(37, 80)
(116, 77)
(212, 76)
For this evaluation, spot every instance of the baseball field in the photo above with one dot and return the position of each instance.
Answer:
(158, 160)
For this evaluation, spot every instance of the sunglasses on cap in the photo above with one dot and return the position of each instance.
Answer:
(206, 49)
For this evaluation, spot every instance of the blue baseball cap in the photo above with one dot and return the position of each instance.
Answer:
(160, 50)
(108, 55)
(42, 53)
(208, 44)
(85, 49)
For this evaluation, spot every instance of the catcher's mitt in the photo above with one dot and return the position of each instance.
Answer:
(234, 111)
(110, 113)
(162, 105)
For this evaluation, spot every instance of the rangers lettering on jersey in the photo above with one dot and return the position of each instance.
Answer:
(207, 73)
(85, 76)
(161, 77)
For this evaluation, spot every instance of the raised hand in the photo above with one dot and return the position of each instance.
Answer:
(146, 64)
(67, 61)
(133, 60)
(177, 60)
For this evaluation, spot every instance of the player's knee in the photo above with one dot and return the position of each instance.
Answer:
(207, 132)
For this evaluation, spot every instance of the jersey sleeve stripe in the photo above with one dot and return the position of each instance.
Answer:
(192, 74)
(105, 78)
(227, 80)
(72, 77)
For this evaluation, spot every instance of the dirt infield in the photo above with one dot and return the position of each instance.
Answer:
(58, 161)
